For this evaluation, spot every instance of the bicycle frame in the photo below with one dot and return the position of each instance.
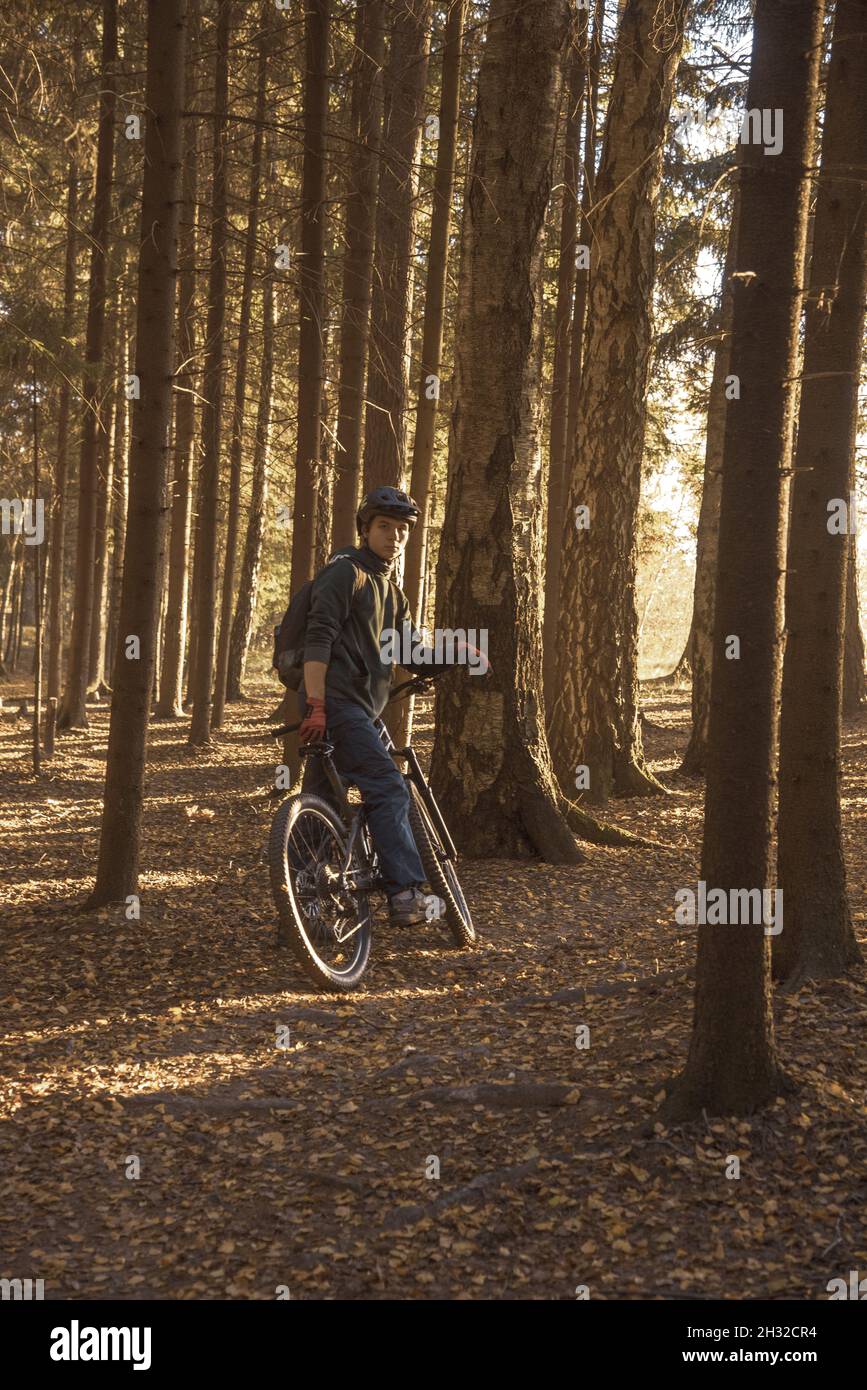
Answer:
(350, 815)
(415, 775)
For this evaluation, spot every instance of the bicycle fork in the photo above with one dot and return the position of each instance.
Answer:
(416, 776)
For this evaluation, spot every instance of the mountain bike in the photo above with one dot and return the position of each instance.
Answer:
(324, 866)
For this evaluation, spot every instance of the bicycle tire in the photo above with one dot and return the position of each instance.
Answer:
(441, 873)
(289, 911)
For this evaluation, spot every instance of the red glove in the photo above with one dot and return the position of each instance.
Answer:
(312, 727)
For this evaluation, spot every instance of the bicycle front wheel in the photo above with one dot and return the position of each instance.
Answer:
(324, 918)
(440, 870)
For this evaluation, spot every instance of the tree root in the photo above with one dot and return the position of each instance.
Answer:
(168, 712)
(503, 1095)
(635, 780)
(681, 672)
(816, 966)
(215, 1103)
(547, 829)
(691, 1097)
(693, 762)
(605, 988)
(597, 832)
(408, 1215)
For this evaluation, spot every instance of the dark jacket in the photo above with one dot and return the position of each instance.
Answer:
(352, 603)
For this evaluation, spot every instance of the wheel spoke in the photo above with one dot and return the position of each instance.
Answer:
(320, 906)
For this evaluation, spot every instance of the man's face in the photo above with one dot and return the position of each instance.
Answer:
(387, 536)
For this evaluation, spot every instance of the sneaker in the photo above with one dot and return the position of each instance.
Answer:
(407, 909)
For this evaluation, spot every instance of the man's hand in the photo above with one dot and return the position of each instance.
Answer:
(312, 727)
(466, 649)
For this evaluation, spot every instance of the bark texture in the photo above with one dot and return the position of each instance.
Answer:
(405, 77)
(311, 293)
(582, 272)
(117, 869)
(594, 712)
(72, 713)
(491, 767)
(170, 698)
(854, 676)
(732, 1066)
(574, 87)
(61, 459)
(699, 648)
(212, 400)
(358, 265)
(818, 939)
(242, 350)
(248, 584)
(432, 336)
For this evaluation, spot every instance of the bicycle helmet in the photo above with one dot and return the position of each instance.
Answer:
(386, 501)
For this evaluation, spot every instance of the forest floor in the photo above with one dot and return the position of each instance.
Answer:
(311, 1168)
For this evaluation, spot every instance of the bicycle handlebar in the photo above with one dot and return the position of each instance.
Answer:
(413, 682)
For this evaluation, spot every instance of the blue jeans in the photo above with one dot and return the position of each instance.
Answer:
(359, 756)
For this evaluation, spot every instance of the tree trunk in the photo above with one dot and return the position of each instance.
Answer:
(7, 599)
(388, 366)
(58, 508)
(311, 291)
(576, 74)
(242, 350)
(21, 610)
(113, 393)
(432, 333)
(162, 585)
(491, 765)
(435, 295)
(582, 272)
(358, 265)
(242, 626)
(212, 400)
(120, 489)
(594, 715)
(193, 649)
(104, 495)
(700, 645)
(16, 569)
(37, 594)
(169, 703)
(322, 531)
(117, 870)
(818, 939)
(72, 713)
(732, 1067)
(854, 681)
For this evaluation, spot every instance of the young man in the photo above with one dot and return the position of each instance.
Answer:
(354, 602)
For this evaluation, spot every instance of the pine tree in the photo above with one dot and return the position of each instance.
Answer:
(405, 78)
(205, 590)
(72, 712)
(732, 1066)
(594, 713)
(818, 937)
(490, 763)
(135, 657)
(358, 265)
(311, 291)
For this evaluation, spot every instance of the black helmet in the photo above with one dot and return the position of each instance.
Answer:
(387, 501)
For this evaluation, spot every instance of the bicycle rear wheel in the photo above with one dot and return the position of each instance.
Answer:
(440, 871)
(326, 921)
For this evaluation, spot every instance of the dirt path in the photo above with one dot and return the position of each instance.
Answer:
(439, 1134)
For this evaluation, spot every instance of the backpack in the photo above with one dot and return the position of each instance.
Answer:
(288, 656)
